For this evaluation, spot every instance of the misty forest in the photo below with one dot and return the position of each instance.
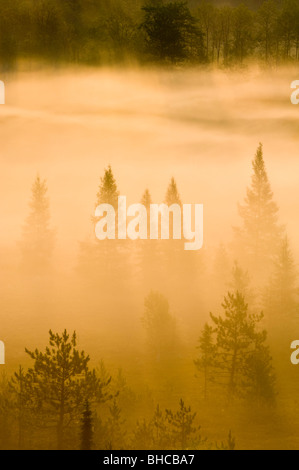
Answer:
(155, 31)
(123, 344)
(174, 389)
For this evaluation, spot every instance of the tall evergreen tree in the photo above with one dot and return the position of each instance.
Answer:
(38, 238)
(105, 260)
(260, 234)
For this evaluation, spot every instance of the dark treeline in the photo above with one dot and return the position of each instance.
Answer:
(213, 370)
(119, 31)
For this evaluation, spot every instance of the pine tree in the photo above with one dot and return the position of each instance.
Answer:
(160, 431)
(143, 436)
(21, 388)
(260, 379)
(104, 261)
(184, 433)
(38, 239)
(115, 427)
(62, 380)
(207, 357)
(86, 428)
(236, 339)
(259, 237)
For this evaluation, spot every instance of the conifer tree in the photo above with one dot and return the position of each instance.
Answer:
(115, 427)
(230, 444)
(62, 380)
(160, 431)
(108, 192)
(105, 260)
(207, 356)
(260, 379)
(172, 194)
(237, 338)
(184, 433)
(86, 428)
(259, 236)
(21, 388)
(38, 238)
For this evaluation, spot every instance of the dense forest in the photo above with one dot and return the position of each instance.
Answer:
(106, 32)
(200, 381)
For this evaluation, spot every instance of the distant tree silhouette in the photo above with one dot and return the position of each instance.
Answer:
(281, 295)
(259, 236)
(108, 192)
(172, 194)
(38, 238)
(160, 327)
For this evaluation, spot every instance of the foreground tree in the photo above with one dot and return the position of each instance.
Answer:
(63, 382)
